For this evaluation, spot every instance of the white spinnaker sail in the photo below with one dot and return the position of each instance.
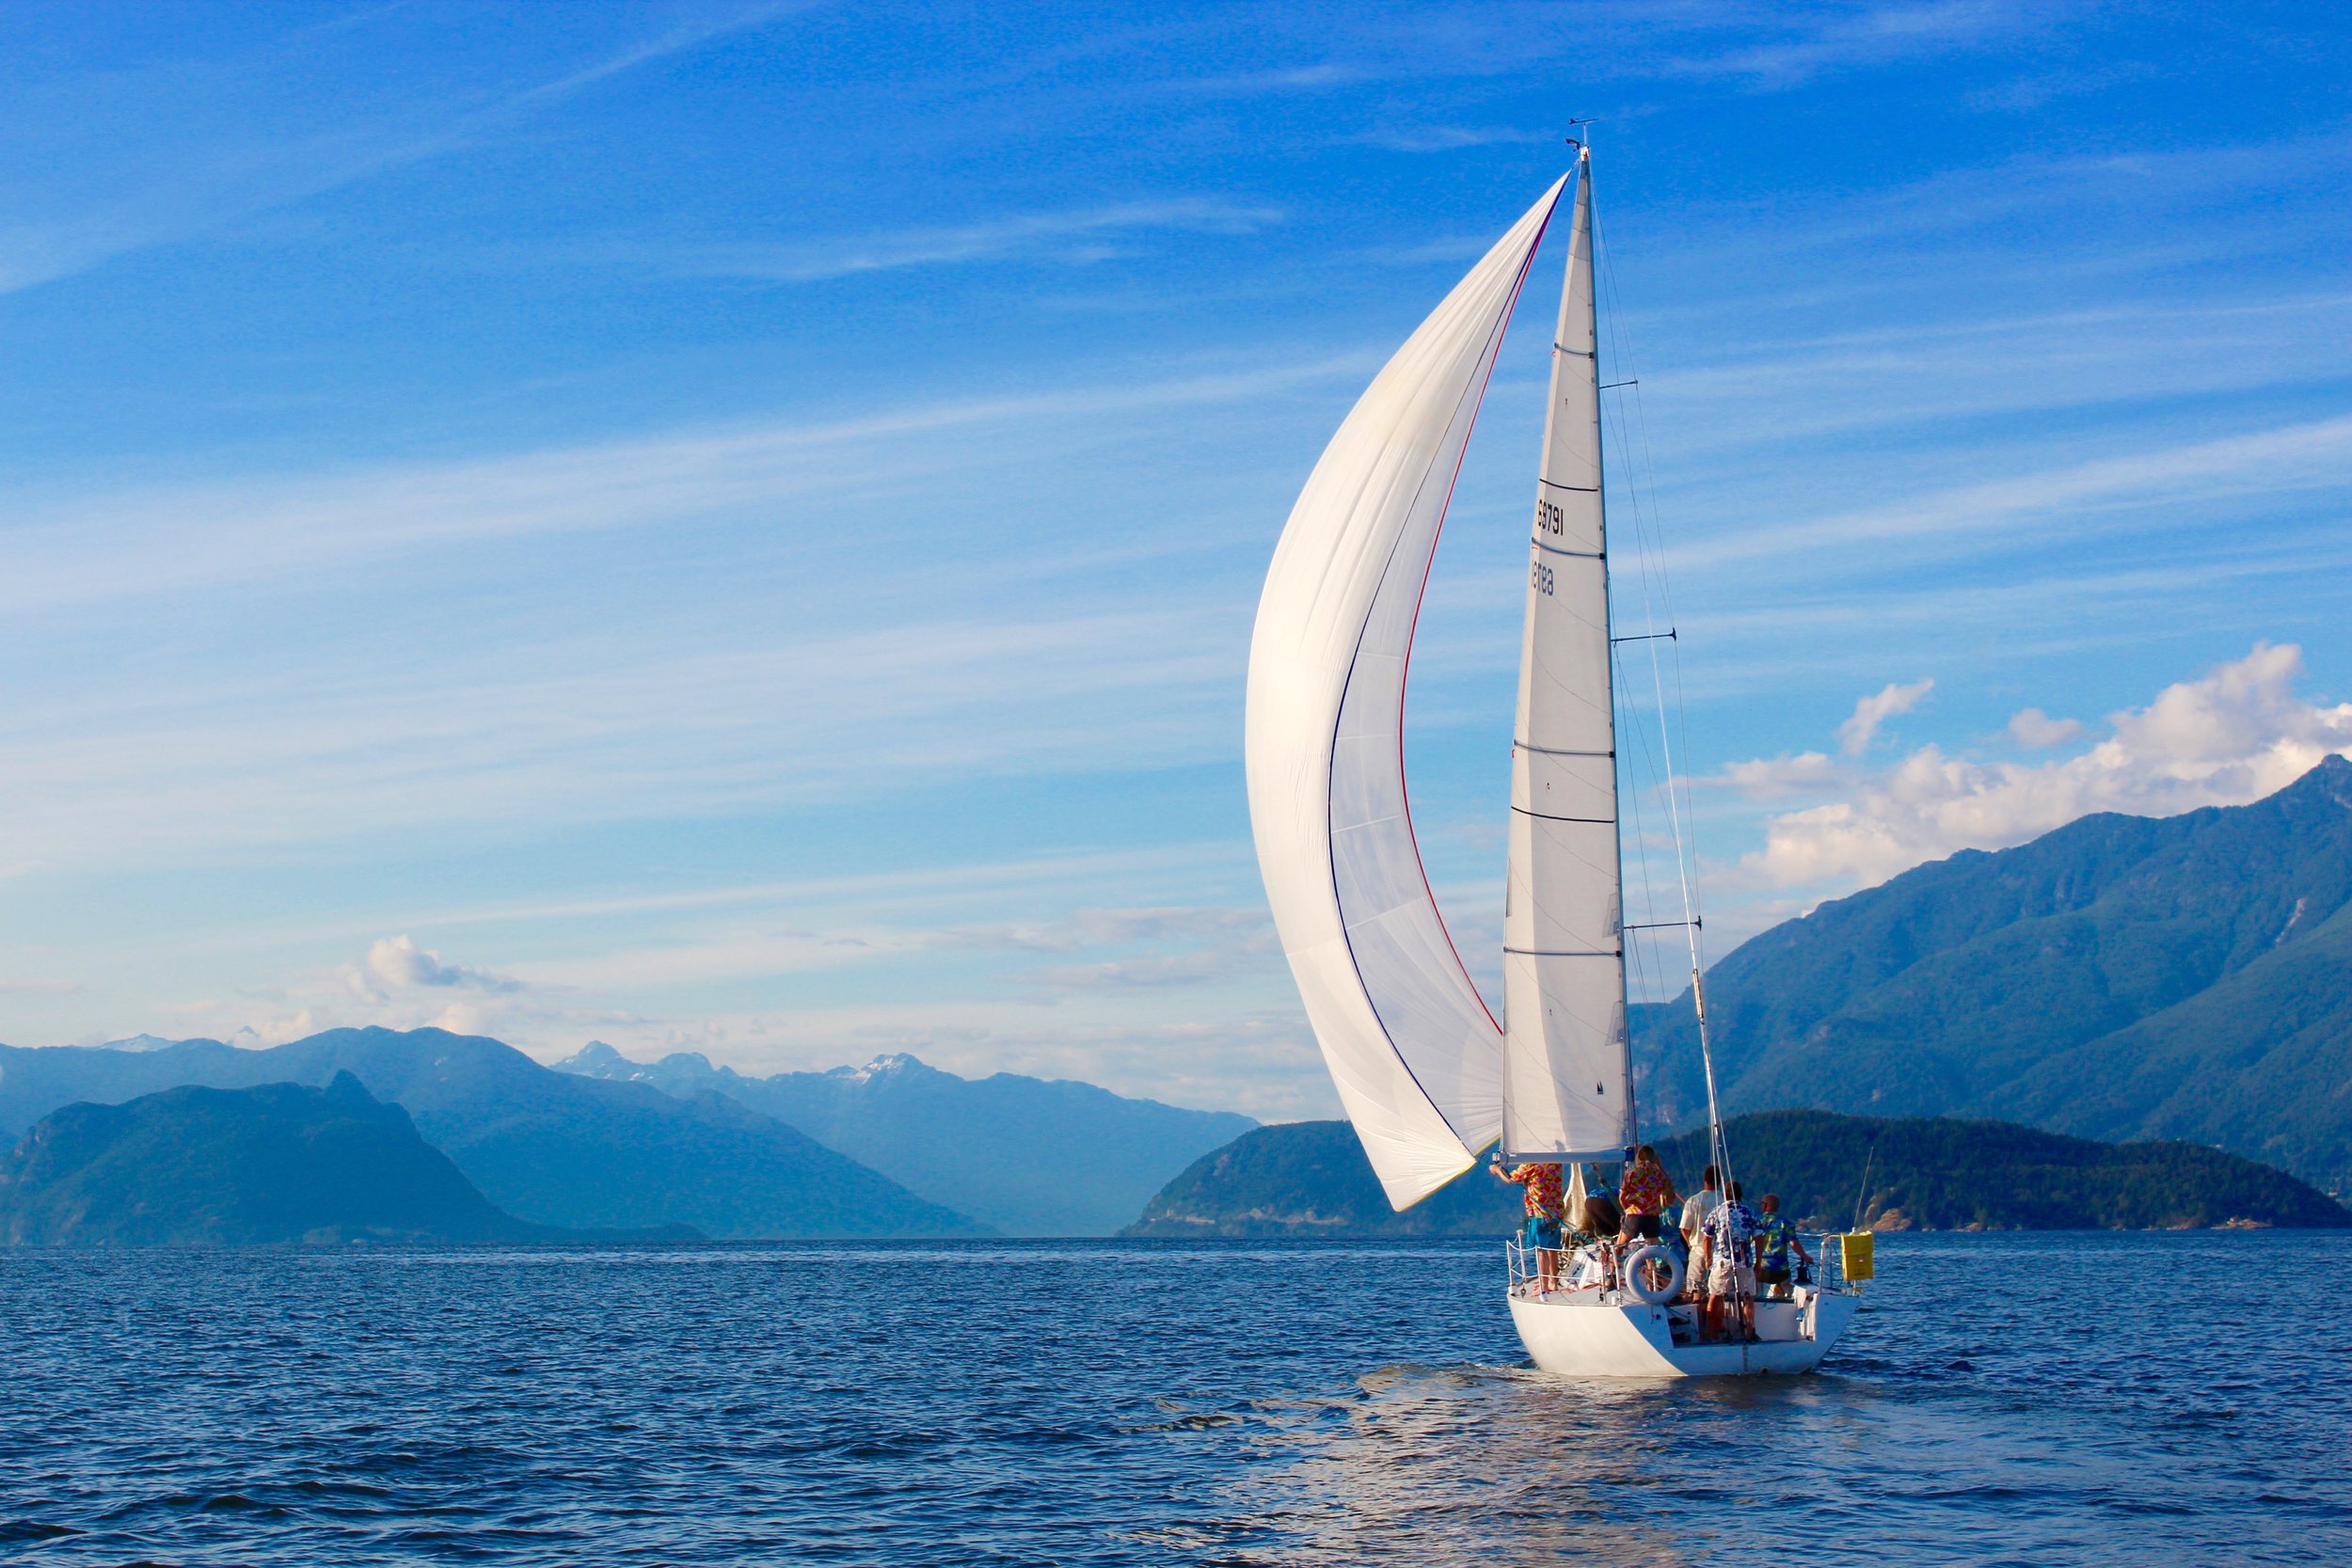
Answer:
(1414, 1052)
(1565, 1084)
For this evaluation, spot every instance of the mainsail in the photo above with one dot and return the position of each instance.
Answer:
(1565, 1086)
(1415, 1056)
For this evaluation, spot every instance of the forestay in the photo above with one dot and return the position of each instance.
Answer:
(1564, 1075)
(1565, 1082)
(1415, 1053)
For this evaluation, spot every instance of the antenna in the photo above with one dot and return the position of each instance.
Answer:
(1863, 1198)
(1574, 123)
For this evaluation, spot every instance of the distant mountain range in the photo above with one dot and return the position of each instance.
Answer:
(1028, 1156)
(549, 1148)
(280, 1163)
(894, 1149)
(1311, 1179)
(2120, 977)
(2126, 978)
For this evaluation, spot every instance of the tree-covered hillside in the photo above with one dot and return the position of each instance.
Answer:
(547, 1147)
(2122, 978)
(1311, 1179)
(280, 1163)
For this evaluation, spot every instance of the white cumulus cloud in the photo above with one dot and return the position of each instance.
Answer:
(2034, 729)
(1856, 734)
(397, 964)
(2235, 736)
(1776, 778)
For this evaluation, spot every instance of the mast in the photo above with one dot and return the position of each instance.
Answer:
(1719, 1152)
(1608, 627)
(1568, 1079)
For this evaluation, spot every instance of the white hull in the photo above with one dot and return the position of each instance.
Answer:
(1604, 1334)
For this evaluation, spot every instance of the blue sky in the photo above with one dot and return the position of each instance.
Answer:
(736, 528)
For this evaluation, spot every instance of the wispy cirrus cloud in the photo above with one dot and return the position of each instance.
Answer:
(807, 721)
(38, 988)
(1077, 237)
(1451, 138)
(986, 662)
(1814, 42)
(1184, 944)
(114, 162)
(1906, 376)
(68, 554)
(1086, 927)
(1160, 949)
(1319, 76)
(2314, 455)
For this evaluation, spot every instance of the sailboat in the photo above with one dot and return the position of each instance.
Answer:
(1428, 1076)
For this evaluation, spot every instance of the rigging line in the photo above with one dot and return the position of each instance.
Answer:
(1631, 799)
(1641, 769)
(1642, 753)
(1605, 278)
(1642, 958)
(1622, 332)
(1654, 573)
(1647, 533)
(1642, 757)
(1645, 965)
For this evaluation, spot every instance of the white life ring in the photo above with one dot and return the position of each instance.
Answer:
(1659, 1295)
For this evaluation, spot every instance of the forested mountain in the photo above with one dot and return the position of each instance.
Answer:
(2120, 977)
(1311, 1179)
(280, 1163)
(1028, 1156)
(547, 1147)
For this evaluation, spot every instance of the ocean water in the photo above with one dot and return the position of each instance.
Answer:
(2028, 1400)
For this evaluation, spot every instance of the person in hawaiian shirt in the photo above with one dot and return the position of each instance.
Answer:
(1727, 1255)
(1774, 1236)
(1644, 1192)
(1543, 1195)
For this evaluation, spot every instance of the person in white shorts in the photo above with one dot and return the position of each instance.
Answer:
(1727, 1236)
(1695, 1212)
(1698, 1206)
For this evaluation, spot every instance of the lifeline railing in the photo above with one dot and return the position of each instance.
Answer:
(1827, 1267)
(1525, 1268)
(1829, 1270)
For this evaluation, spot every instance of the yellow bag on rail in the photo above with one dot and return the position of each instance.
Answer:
(1853, 1256)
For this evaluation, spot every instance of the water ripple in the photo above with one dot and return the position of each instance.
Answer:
(2091, 1400)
